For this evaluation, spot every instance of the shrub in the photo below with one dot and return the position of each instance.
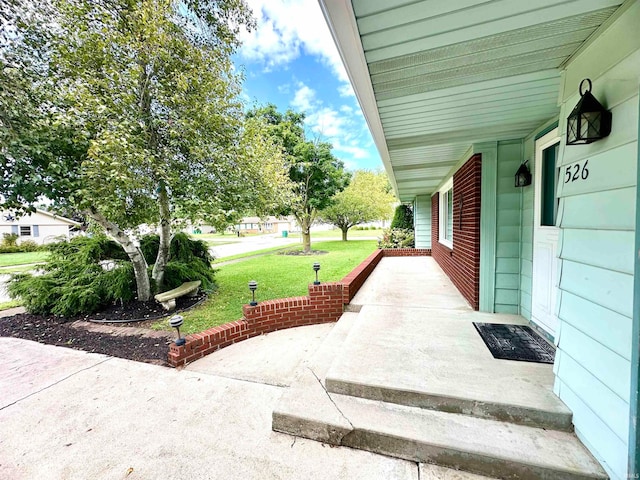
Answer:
(396, 238)
(403, 218)
(9, 239)
(29, 246)
(75, 282)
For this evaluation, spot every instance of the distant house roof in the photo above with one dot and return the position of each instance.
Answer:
(270, 219)
(5, 215)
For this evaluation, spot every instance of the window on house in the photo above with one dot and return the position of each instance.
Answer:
(446, 215)
(25, 230)
(548, 199)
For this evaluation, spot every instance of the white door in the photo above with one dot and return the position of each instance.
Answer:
(545, 233)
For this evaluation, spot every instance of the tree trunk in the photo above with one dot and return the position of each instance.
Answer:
(165, 237)
(143, 284)
(344, 233)
(306, 235)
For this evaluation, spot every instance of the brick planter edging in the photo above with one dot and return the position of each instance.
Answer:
(324, 304)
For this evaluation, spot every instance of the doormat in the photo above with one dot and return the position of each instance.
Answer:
(515, 342)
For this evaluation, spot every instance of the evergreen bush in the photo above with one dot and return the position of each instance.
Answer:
(403, 218)
(88, 273)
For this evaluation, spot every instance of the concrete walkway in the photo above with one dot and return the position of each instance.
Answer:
(66, 414)
(409, 376)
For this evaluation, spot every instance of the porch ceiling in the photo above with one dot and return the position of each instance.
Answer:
(435, 76)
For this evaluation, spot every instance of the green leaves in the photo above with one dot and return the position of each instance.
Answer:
(367, 198)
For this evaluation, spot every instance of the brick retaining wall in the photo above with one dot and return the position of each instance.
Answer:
(325, 303)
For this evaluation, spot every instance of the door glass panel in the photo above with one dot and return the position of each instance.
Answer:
(549, 205)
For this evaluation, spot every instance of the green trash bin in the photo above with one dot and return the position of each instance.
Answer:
(285, 234)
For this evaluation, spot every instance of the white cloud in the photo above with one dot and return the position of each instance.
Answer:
(346, 90)
(286, 28)
(304, 98)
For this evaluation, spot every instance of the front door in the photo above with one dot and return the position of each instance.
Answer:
(545, 233)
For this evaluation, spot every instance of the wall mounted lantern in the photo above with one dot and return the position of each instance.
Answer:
(589, 121)
(253, 286)
(316, 267)
(523, 175)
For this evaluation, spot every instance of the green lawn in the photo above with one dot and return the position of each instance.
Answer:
(256, 252)
(10, 304)
(278, 276)
(11, 259)
(337, 234)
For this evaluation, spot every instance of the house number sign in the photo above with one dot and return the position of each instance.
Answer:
(575, 172)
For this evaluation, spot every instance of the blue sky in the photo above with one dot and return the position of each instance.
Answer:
(290, 60)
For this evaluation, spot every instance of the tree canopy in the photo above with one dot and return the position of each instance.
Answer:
(368, 197)
(131, 113)
(316, 174)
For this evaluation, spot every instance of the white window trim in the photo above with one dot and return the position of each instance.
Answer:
(20, 227)
(443, 214)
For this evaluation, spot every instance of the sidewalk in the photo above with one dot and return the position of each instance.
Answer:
(76, 415)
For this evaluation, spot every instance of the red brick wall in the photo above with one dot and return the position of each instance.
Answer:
(462, 263)
(323, 305)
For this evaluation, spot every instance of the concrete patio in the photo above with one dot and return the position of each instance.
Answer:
(408, 376)
(406, 382)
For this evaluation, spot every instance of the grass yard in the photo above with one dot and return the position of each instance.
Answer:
(10, 304)
(337, 234)
(278, 276)
(12, 259)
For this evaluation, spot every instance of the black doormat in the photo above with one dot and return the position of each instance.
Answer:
(515, 342)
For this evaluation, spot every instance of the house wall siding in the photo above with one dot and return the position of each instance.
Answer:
(462, 263)
(596, 250)
(508, 229)
(422, 219)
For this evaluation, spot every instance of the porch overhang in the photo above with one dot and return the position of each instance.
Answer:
(434, 77)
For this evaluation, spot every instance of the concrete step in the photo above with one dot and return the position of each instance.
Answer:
(435, 472)
(435, 359)
(305, 405)
(460, 442)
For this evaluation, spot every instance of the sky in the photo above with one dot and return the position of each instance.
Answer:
(290, 60)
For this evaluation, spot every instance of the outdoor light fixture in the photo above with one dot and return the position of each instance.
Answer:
(316, 267)
(589, 121)
(176, 321)
(253, 286)
(523, 175)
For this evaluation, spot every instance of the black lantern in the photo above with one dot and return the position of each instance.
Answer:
(253, 286)
(523, 175)
(589, 121)
(316, 267)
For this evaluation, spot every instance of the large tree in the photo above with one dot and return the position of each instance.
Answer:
(136, 119)
(316, 174)
(368, 197)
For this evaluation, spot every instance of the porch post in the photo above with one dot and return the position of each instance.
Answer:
(488, 200)
(634, 431)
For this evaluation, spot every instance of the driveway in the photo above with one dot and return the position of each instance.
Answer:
(67, 414)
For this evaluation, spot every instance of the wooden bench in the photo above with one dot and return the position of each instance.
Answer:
(168, 298)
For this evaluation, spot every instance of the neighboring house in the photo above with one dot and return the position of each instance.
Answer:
(269, 224)
(457, 96)
(41, 227)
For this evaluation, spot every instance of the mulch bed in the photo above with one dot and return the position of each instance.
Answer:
(142, 347)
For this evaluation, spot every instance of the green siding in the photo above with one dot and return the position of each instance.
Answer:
(422, 219)
(508, 229)
(597, 217)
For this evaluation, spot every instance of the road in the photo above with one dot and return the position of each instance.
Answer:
(251, 244)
